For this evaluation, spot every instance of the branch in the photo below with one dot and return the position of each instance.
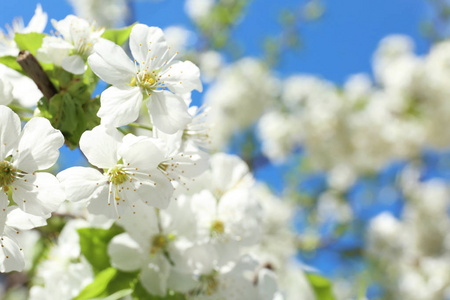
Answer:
(34, 70)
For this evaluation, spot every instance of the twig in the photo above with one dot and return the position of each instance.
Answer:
(32, 68)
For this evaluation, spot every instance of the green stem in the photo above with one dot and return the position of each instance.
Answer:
(123, 131)
(137, 125)
(18, 108)
(26, 119)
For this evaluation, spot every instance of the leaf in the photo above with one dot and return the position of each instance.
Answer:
(322, 286)
(10, 62)
(94, 245)
(141, 293)
(98, 286)
(118, 36)
(29, 41)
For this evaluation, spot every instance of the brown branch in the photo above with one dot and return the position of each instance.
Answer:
(31, 66)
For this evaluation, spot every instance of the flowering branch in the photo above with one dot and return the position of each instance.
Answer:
(32, 67)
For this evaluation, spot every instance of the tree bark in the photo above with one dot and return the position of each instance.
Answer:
(31, 66)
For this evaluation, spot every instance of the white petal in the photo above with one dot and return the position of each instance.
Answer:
(25, 91)
(111, 63)
(120, 106)
(6, 95)
(157, 190)
(9, 130)
(143, 39)
(74, 64)
(182, 77)
(201, 258)
(81, 183)
(11, 256)
(39, 195)
(38, 147)
(267, 284)
(125, 253)
(168, 112)
(100, 146)
(4, 202)
(228, 171)
(154, 277)
(181, 282)
(21, 220)
(38, 21)
(143, 154)
(204, 204)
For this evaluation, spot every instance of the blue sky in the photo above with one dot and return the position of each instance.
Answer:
(340, 44)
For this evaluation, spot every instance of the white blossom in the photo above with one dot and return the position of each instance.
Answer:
(149, 76)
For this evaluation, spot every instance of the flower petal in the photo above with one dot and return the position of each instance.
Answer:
(81, 183)
(11, 256)
(157, 190)
(147, 42)
(39, 144)
(9, 130)
(39, 195)
(74, 64)
(111, 63)
(120, 106)
(168, 112)
(154, 276)
(100, 146)
(182, 77)
(19, 219)
(125, 253)
(143, 154)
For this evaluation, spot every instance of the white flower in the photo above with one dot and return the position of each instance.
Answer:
(25, 91)
(12, 221)
(130, 174)
(244, 280)
(75, 43)
(178, 38)
(22, 153)
(65, 272)
(36, 24)
(109, 13)
(149, 76)
(182, 162)
(238, 97)
(6, 95)
(153, 244)
(227, 172)
(229, 222)
(198, 9)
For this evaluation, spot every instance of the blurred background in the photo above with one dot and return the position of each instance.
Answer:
(340, 107)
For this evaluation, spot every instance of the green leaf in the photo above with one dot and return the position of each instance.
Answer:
(94, 245)
(10, 62)
(29, 41)
(118, 36)
(141, 293)
(322, 286)
(98, 287)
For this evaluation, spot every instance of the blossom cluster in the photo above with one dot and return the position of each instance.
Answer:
(190, 223)
(350, 131)
(414, 249)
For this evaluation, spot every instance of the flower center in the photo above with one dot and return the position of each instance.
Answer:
(209, 283)
(7, 175)
(147, 80)
(217, 227)
(117, 175)
(159, 242)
